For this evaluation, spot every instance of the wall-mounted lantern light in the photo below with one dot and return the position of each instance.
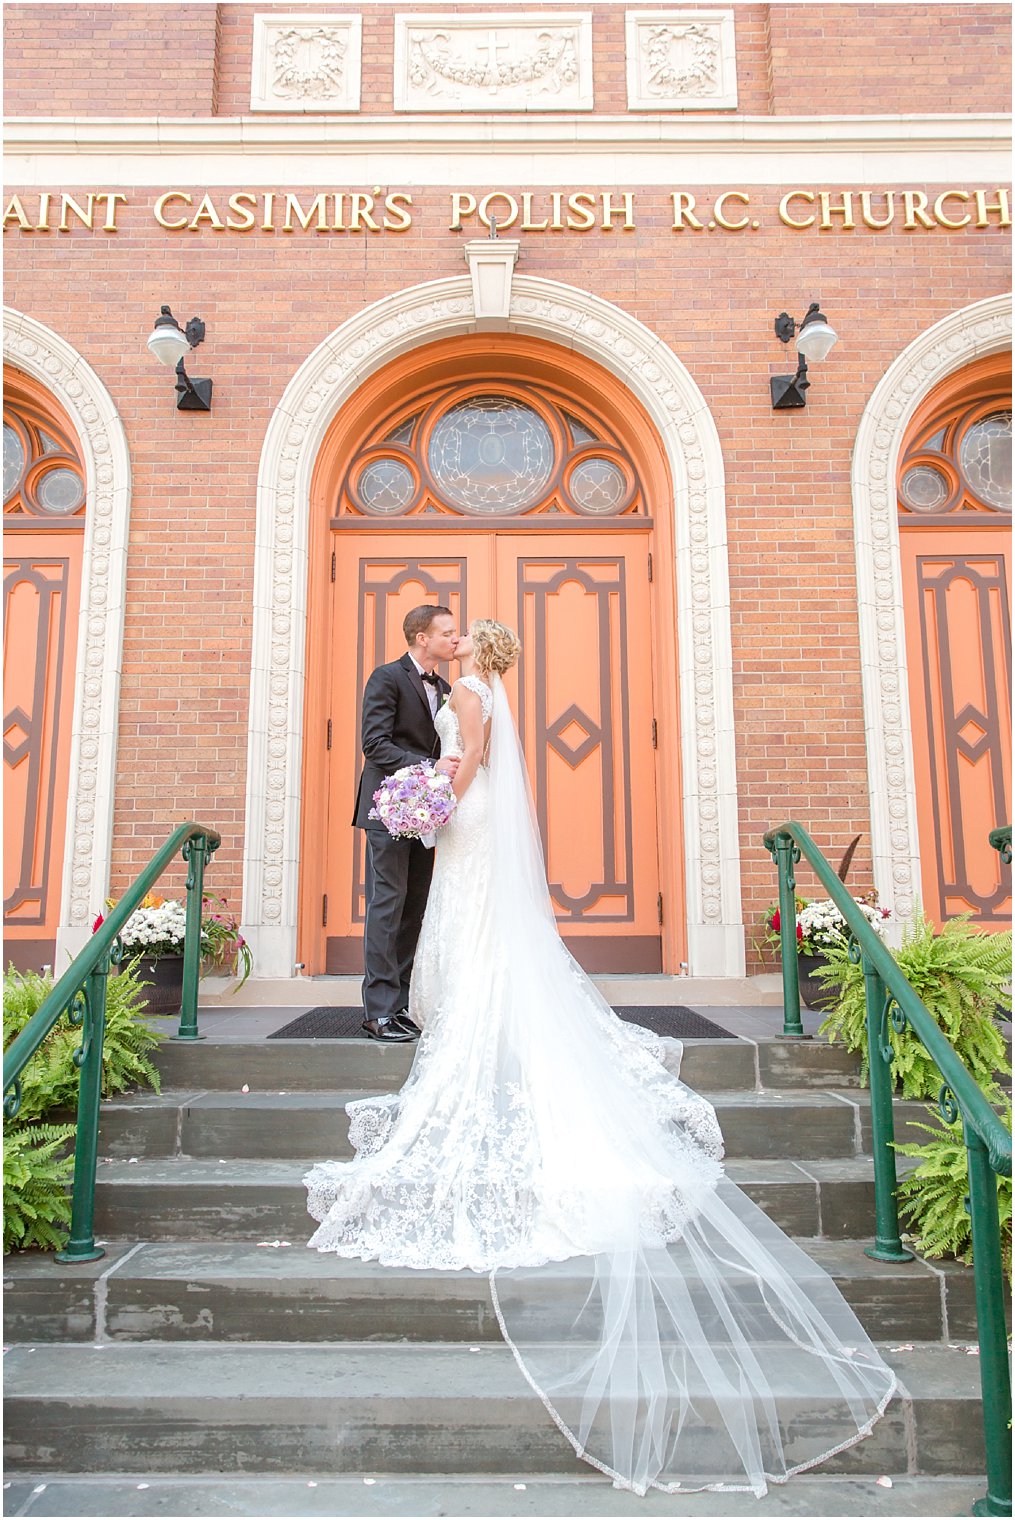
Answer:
(171, 344)
(814, 341)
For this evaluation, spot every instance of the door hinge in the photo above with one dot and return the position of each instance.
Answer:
(333, 564)
(649, 568)
(660, 905)
(655, 734)
(324, 911)
(329, 733)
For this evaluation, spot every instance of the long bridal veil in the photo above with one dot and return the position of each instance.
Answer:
(678, 1338)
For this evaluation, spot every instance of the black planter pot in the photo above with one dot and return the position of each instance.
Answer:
(812, 991)
(164, 973)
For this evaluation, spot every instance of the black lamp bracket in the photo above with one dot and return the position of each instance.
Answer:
(786, 328)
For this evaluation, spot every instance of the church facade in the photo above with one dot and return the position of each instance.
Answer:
(498, 309)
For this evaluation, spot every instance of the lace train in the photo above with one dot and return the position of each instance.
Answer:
(677, 1337)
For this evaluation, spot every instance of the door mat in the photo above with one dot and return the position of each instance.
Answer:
(344, 1024)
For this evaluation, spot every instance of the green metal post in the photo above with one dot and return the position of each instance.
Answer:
(792, 1025)
(81, 1245)
(995, 1380)
(194, 853)
(887, 1244)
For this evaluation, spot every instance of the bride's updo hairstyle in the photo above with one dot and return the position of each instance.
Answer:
(495, 647)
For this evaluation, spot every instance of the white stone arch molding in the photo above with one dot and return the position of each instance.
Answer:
(950, 344)
(577, 320)
(47, 357)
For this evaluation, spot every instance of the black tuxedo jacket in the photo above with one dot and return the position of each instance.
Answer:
(397, 729)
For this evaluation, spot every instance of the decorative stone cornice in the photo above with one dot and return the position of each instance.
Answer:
(645, 147)
(974, 331)
(50, 359)
(574, 319)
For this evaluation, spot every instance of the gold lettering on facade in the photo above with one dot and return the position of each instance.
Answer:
(85, 215)
(939, 209)
(159, 209)
(720, 209)
(915, 205)
(683, 211)
(494, 199)
(784, 204)
(528, 225)
(1001, 206)
(462, 204)
(843, 209)
(14, 211)
(294, 208)
(610, 211)
(398, 211)
(242, 205)
(869, 219)
(360, 210)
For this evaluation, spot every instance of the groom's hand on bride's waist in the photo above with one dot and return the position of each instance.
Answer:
(449, 766)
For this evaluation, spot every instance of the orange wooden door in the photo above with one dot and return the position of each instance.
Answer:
(584, 705)
(42, 578)
(958, 638)
(582, 694)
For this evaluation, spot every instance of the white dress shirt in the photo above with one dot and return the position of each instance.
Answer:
(433, 695)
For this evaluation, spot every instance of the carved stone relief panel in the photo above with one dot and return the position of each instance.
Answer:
(306, 63)
(522, 61)
(681, 60)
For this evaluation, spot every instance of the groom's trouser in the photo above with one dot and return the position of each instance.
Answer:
(397, 884)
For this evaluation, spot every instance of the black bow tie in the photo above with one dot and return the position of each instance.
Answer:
(432, 678)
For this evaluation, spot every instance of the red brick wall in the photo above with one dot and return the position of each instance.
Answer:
(888, 58)
(109, 60)
(268, 300)
(144, 60)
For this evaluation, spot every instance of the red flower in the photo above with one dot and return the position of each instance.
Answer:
(799, 932)
(776, 921)
(98, 924)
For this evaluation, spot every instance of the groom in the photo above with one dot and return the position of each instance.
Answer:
(400, 703)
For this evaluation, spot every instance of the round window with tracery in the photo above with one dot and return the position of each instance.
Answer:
(42, 472)
(985, 458)
(491, 454)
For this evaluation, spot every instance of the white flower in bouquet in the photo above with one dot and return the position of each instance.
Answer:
(824, 928)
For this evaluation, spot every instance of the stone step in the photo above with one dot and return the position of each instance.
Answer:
(368, 1066)
(225, 1198)
(768, 1125)
(216, 1291)
(385, 1409)
(521, 1493)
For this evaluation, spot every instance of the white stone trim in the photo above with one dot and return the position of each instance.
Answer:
(50, 359)
(643, 148)
(307, 89)
(541, 84)
(491, 264)
(956, 340)
(577, 320)
(706, 84)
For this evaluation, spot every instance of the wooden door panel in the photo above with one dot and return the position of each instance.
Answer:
(959, 648)
(585, 718)
(41, 593)
(377, 588)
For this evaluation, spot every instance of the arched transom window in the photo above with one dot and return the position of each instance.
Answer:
(959, 463)
(43, 478)
(491, 451)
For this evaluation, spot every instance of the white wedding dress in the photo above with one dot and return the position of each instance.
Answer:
(676, 1336)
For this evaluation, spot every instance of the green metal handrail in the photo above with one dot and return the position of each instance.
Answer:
(891, 999)
(1001, 841)
(81, 994)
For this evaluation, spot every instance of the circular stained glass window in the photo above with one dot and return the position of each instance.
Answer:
(14, 460)
(60, 491)
(491, 455)
(597, 485)
(386, 485)
(924, 489)
(985, 457)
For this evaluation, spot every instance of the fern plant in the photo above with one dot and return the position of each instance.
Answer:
(961, 975)
(933, 1196)
(39, 1155)
(37, 1174)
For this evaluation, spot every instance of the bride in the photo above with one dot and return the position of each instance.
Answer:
(676, 1336)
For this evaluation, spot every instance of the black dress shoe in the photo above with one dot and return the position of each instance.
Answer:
(403, 1021)
(385, 1029)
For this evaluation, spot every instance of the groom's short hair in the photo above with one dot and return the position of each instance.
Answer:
(420, 619)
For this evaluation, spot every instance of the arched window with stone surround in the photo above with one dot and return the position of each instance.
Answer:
(44, 521)
(954, 498)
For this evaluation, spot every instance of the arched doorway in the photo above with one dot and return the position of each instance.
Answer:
(501, 476)
(44, 523)
(954, 500)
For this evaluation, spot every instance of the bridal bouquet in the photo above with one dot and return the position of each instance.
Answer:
(414, 803)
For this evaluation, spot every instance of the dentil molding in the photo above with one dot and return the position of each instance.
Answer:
(950, 344)
(33, 348)
(575, 319)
